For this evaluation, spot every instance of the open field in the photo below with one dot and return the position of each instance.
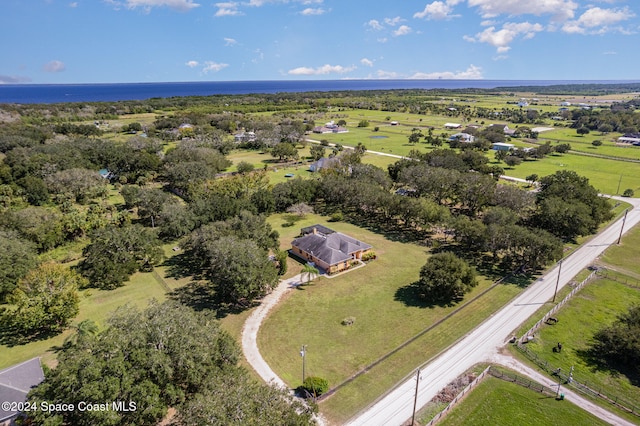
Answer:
(312, 315)
(497, 402)
(603, 174)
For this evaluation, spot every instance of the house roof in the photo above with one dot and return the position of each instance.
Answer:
(329, 246)
(319, 228)
(16, 382)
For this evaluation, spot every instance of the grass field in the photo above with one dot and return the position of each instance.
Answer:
(603, 174)
(313, 316)
(497, 402)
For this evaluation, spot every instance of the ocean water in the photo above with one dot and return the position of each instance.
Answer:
(57, 93)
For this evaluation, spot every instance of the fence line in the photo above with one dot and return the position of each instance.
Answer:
(555, 309)
(569, 380)
(522, 381)
(458, 397)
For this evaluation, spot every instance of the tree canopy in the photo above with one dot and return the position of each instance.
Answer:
(445, 278)
(45, 300)
(117, 252)
(165, 356)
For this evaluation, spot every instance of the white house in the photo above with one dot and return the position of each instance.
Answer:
(452, 126)
(463, 137)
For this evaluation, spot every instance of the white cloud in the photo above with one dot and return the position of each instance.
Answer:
(438, 10)
(393, 21)
(610, 52)
(387, 74)
(501, 39)
(73, 4)
(228, 9)
(313, 11)
(471, 73)
(597, 20)
(230, 41)
(13, 79)
(192, 64)
(560, 10)
(210, 66)
(181, 5)
(366, 62)
(54, 66)
(375, 25)
(323, 70)
(402, 30)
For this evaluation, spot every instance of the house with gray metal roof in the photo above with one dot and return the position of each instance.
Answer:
(330, 250)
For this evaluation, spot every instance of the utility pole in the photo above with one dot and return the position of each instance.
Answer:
(624, 219)
(557, 281)
(415, 398)
(303, 352)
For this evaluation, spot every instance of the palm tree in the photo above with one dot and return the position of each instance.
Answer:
(311, 272)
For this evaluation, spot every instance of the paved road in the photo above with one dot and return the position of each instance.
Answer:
(484, 342)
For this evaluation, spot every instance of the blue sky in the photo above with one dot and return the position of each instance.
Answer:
(110, 41)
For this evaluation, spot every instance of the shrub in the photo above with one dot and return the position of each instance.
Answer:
(628, 192)
(368, 256)
(596, 142)
(363, 123)
(336, 217)
(316, 386)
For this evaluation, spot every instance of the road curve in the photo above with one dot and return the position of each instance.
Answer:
(483, 342)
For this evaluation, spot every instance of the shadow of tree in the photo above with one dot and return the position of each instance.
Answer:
(11, 336)
(184, 265)
(598, 363)
(200, 295)
(411, 296)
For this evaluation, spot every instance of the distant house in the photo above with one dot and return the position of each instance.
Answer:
(463, 137)
(330, 127)
(106, 174)
(565, 104)
(242, 137)
(329, 250)
(628, 139)
(15, 383)
(394, 123)
(323, 163)
(501, 146)
(504, 128)
(452, 126)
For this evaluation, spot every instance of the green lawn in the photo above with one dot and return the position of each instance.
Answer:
(386, 316)
(626, 254)
(497, 402)
(603, 174)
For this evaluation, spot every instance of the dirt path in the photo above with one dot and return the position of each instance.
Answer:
(252, 325)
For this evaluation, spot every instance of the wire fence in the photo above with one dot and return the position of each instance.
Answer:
(567, 378)
(527, 336)
(522, 381)
(458, 397)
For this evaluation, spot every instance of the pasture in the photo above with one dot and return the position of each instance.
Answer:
(387, 313)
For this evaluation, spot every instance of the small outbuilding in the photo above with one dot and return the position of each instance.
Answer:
(501, 146)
